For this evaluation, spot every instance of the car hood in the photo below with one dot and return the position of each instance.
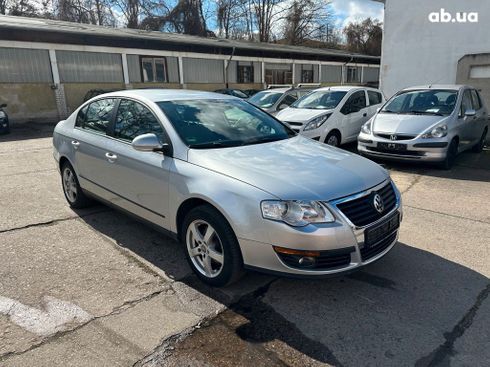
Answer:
(300, 114)
(298, 168)
(405, 124)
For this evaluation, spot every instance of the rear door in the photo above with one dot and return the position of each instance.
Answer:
(353, 114)
(90, 141)
(140, 179)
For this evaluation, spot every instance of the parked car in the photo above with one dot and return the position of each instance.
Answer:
(333, 115)
(4, 120)
(215, 172)
(233, 92)
(429, 123)
(276, 99)
(251, 92)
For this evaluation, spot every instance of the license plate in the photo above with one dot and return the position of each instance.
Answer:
(376, 234)
(392, 146)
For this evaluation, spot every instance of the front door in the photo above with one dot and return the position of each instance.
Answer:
(140, 179)
(354, 114)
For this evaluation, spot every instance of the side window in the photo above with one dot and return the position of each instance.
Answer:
(355, 103)
(99, 114)
(476, 100)
(289, 100)
(81, 117)
(466, 103)
(133, 119)
(374, 98)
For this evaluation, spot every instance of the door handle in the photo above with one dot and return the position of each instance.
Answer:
(111, 157)
(364, 114)
(75, 144)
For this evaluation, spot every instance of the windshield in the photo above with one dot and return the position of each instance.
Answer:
(423, 102)
(320, 100)
(265, 99)
(217, 123)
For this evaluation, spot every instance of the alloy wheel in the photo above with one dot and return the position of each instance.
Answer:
(333, 140)
(70, 185)
(205, 248)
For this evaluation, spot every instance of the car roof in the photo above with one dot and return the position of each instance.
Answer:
(439, 86)
(160, 95)
(345, 88)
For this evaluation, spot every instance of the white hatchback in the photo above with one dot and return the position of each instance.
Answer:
(333, 115)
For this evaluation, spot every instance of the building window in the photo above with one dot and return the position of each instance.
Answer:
(154, 70)
(352, 74)
(245, 74)
(277, 76)
(306, 76)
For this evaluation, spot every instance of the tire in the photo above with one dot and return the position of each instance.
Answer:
(478, 148)
(451, 154)
(71, 188)
(215, 257)
(333, 138)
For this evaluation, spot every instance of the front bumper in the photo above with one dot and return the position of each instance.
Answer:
(341, 240)
(418, 149)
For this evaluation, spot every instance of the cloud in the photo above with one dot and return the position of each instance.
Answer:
(347, 11)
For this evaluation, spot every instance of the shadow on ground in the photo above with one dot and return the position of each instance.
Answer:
(403, 310)
(29, 130)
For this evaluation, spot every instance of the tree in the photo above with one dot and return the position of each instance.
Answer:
(306, 20)
(364, 37)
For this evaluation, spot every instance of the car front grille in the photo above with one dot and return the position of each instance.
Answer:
(395, 137)
(407, 153)
(371, 251)
(328, 260)
(361, 211)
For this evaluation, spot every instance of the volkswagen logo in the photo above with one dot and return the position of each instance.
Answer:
(378, 203)
(393, 137)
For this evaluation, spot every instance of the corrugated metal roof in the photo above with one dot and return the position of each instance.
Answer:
(36, 27)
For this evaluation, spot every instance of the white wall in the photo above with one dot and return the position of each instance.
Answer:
(416, 51)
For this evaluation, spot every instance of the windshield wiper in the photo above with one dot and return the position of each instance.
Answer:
(426, 113)
(264, 139)
(389, 111)
(217, 144)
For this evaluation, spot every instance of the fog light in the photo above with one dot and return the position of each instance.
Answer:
(307, 262)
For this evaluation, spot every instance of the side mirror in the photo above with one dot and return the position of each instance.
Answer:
(282, 107)
(3, 105)
(470, 113)
(149, 143)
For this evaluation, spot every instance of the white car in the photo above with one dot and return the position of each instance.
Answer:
(333, 115)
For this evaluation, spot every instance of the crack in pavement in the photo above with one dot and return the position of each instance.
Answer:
(416, 180)
(440, 356)
(446, 214)
(115, 311)
(53, 221)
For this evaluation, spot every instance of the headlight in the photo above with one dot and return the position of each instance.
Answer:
(316, 122)
(366, 128)
(437, 132)
(2, 115)
(296, 213)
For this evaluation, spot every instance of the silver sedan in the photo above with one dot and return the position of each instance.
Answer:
(431, 124)
(237, 187)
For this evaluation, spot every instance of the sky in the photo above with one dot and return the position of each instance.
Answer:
(346, 11)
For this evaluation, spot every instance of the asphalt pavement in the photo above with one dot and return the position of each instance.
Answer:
(97, 288)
